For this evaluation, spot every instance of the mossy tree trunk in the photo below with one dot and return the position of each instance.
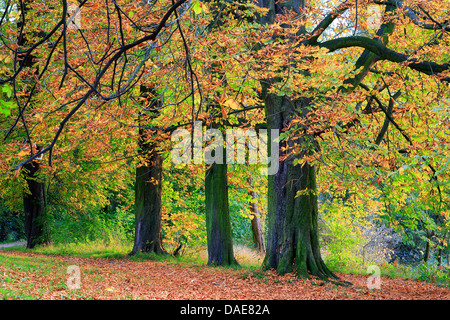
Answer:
(148, 204)
(148, 189)
(218, 223)
(148, 199)
(293, 236)
(292, 217)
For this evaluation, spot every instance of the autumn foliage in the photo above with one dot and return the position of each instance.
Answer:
(364, 91)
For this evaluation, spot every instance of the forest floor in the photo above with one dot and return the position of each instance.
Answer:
(28, 275)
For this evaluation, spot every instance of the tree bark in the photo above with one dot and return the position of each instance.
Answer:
(218, 223)
(148, 202)
(439, 257)
(293, 236)
(257, 232)
(292, 218)
(427, 253)
(35, 208)
(148, 190)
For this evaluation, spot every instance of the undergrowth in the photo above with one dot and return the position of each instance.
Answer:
(423, 271)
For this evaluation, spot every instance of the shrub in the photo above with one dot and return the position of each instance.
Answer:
(11, 225)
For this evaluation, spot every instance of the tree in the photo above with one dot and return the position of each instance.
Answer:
(34, 198)
(293, 243)
(116, 58)
(34, 204)
(148, 197)
(315, 80)
(80, 79)
(218, 225)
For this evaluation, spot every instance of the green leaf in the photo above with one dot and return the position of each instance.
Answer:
(6, 106)
(5, 111)
(196, 7)
(7, 90)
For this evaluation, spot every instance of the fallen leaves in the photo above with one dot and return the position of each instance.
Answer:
(125, 279)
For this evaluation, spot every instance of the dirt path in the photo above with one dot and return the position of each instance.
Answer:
(12, 244)
(125, 279)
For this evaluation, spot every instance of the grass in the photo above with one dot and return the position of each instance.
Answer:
(86, 249)
(246, 257)
(15, 279)
(428, 272)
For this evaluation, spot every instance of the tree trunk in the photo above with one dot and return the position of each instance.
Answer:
(35, 208)
(148, 187)
(257, 232)
(218, 223)
(293, 237)
(34, 201)
(292, 217)
(426, 256)
(148, 202)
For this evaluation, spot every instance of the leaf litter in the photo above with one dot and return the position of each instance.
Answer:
(106, 279)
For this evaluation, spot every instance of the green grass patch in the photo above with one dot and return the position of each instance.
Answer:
(247, 258)
(22, 276)
(428, 272)
(91, 249)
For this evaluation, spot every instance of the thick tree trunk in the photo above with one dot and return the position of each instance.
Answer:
(148, 187)
(35, 208)
(426, 256)
(218, 224)
(257, 232)
(148, 202)
(293, 237)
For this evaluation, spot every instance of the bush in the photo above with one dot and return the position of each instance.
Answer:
(11, 225)
(98, 225)
(342, 234)
(431, 272)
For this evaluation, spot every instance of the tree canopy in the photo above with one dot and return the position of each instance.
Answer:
(354, 97)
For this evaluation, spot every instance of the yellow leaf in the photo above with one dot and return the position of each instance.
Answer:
(23, 153)
(231, 103)
(204, 7)
(196, 7)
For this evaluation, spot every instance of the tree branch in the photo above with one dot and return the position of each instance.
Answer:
(123, 49)
(413, 16)
(384, 53)
(326, 22)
